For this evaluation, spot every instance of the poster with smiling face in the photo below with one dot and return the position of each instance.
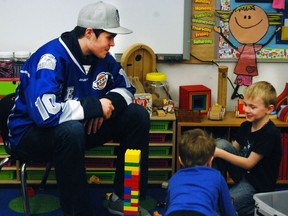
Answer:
(248, 24)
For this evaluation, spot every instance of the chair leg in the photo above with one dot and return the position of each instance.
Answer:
(46, 175)
(24, 190)
(5, 161)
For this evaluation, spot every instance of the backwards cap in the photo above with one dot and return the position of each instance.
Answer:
(101, 15)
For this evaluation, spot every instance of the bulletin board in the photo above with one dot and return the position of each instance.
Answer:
(203, 38)
(208, 46)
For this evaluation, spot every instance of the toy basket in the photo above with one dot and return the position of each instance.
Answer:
(158, 175)
(159, 163)
(157, 138)
(159, 150)
(7, 174)
(101, 150)
(38, 175)
(159, 125)
(99, 162)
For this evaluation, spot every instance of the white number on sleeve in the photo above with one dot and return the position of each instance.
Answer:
(47, 105)
(127, 81)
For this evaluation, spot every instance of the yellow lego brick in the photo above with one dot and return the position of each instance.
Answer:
(135, 201)
(136, 172)
(133, 169)
(132, 155)
(130, 208)
(136, 193)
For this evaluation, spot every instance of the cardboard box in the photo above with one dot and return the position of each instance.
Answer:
(145, 100)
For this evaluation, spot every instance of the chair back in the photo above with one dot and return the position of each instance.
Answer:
(6, 104)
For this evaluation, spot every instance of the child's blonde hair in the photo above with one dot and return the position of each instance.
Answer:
(262, 89)
(196, 147)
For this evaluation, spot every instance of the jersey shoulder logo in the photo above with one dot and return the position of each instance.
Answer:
(47, 61)
(101, 81)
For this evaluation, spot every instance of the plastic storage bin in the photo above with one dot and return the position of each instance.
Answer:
(272, 203)
(156, 84)
(7, 86)
(159, 125)
(6, 64)
(20, 57)
(7, 174)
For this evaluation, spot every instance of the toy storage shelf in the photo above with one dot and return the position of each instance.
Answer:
(223, 129)
(100, 161)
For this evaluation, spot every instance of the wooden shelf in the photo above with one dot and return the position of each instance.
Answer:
(169, 168)
(13, 79)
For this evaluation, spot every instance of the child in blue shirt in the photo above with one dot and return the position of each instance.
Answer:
(197, 189)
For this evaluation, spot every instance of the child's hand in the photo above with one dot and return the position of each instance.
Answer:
(217, 152)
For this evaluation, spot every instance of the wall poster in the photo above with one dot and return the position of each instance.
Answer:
(270, 45)
(208, 45)
(202, 38)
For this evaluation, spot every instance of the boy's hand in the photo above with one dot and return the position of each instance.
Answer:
(107, 107)
(92, 125)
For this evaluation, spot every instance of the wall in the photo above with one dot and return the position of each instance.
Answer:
(193, 74)
(27, 24)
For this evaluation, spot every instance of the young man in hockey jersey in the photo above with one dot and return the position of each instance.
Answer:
(73, 95)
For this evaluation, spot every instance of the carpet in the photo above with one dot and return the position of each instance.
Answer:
(46, 203)
(40, 203)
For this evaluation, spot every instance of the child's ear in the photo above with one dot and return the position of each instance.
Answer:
(180, 161)
(209, 163)
(270, 109)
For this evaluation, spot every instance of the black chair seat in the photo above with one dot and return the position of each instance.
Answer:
(6, 104)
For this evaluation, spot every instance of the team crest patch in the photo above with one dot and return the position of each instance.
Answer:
(47, 61)
(101, 81)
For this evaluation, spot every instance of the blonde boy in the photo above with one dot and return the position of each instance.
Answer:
(255, 151)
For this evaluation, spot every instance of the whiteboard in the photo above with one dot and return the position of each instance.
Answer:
(27, 24)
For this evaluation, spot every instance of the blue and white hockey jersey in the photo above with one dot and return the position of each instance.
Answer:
(54, 87)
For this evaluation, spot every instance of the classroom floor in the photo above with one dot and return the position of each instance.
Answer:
(10, 198)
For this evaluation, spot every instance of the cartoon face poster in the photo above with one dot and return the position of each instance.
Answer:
(243, 32)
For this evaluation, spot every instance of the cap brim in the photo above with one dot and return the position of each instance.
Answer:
(118, 30)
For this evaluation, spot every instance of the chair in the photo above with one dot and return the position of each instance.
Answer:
(6, 104)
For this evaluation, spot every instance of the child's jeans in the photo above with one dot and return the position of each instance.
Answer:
(242, 191)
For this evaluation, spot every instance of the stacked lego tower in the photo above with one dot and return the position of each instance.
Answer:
(131, 182)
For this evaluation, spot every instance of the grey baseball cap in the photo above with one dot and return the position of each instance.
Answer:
(101, 15)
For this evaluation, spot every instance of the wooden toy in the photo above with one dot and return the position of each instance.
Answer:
(222, 85)
(195, 97)
(138, 60)
(188, 115)
(216, 112)
(240, 109)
